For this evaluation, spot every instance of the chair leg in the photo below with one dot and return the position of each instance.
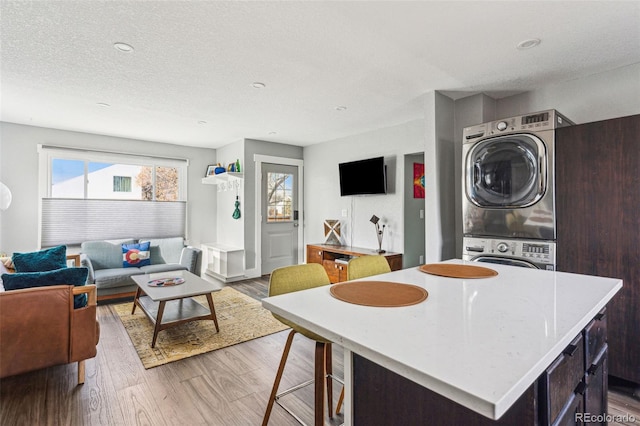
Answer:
(319, 377)
(340, 400)
(276, 383)
(81, 372)
(329, 369)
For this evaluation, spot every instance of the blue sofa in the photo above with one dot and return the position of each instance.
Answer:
(112, 280)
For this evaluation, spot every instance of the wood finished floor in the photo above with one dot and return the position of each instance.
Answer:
(226, 387)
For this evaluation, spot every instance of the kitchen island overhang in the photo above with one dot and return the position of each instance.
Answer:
(478, 342)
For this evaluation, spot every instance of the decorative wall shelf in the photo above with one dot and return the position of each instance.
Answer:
(222, 177)
(226, 181)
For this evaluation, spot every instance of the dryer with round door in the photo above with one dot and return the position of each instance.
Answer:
(508, 177)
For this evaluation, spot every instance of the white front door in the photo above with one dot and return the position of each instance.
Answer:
(279, 216)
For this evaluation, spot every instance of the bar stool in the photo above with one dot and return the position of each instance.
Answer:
(287, 280)
(361, 267)
(365, 266)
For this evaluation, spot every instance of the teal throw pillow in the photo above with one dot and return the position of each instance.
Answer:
(136, 255)
(69, 276)
(43, 260)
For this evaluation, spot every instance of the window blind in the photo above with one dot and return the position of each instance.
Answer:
(73, 221)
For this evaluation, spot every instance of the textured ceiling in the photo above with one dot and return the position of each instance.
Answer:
(196, 61)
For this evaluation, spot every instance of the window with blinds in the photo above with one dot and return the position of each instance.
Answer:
(90, 195)
(72, 221)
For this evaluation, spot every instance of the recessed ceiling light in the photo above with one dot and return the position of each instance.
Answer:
(341, 108)
(123, 47)
(528, 44)
(103, 105)
(273, 133)
(202, 122)
(258, 85)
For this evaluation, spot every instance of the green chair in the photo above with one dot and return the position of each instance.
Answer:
(287, 280)
(360, 267)
(365, 266)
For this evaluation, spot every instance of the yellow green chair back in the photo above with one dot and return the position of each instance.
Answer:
(296, 278)
(365, 266)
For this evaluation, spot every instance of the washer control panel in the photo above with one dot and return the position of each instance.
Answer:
(532, 250)
(535, 122)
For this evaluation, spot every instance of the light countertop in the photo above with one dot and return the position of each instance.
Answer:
(479, 342)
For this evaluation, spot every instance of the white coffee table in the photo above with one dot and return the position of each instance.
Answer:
(173, 305)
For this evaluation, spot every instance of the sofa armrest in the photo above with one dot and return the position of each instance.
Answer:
(86, 262)
(84, 328)
(75, 260)
(90, 290)
(191, 258)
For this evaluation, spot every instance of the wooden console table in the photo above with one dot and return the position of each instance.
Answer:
(335, 258)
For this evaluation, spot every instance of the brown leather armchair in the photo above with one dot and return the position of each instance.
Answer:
(40, 328)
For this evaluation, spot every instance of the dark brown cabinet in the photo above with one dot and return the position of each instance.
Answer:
(595, 395)
(576, 382)
(562, 383)
(335, 259)
(572, 387)
(571, 415)
(598, 223)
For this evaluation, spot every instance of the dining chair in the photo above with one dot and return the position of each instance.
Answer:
(360, 267)
(365, 266)
(286, 280)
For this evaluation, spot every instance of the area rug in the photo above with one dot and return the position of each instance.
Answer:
(240, 318)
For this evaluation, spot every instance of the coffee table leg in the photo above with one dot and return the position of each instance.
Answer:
(135, 300)
(156, 330)
(213, 311)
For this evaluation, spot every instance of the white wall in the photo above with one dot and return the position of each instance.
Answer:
(322, 188)
(19, 171)
(439, 178)
(230, 231)
(597, 97)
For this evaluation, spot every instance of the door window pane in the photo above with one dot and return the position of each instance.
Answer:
(279, 197)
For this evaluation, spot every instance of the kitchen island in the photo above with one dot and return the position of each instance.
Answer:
(525, 345)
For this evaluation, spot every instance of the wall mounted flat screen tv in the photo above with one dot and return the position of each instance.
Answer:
(363, 177)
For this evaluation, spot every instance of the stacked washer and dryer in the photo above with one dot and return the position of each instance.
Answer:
(508, 202)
